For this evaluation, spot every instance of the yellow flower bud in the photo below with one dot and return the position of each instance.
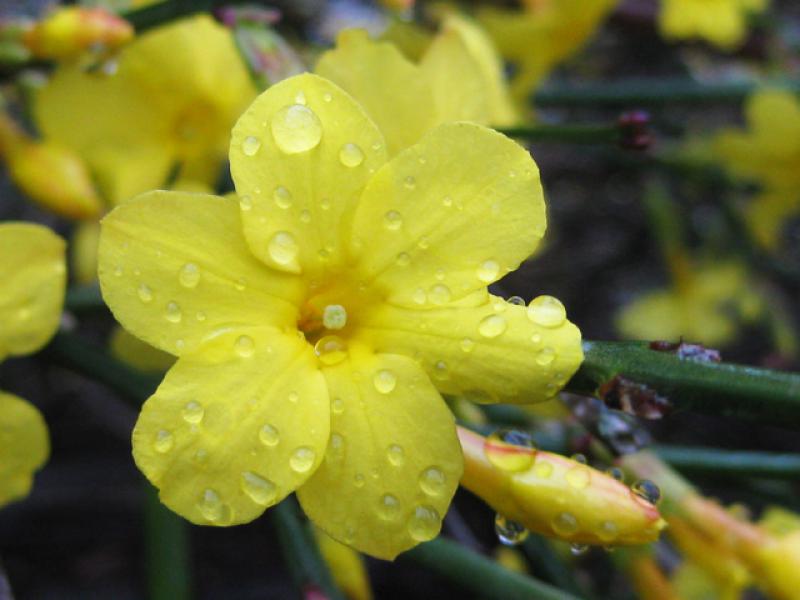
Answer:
(69, 31)
(346, 567)
(648, 579)
(556, 496)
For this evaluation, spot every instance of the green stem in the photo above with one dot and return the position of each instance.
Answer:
(167, 547)
(301, 551)
(84, 298)
(731, 462)
(545, 561)
(572, 134)
(713, 388)
(480, 575)
(160, 13)
(654, 92)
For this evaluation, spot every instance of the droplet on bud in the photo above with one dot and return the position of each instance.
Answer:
(510, 533)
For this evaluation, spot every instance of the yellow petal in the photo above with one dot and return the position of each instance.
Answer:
(300, 157)
(488, 353)
(32, 280)
(385, 83)
(175, 270)
(346, 566)
(138, 354)
(24, 446)
(455, 212)
(231, 432)
(125, 170)
(83, 253)
(393, 461)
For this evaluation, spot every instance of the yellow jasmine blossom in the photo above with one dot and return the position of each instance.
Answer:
(346, 566)
(721, 22)
(176, 93)
(459, 78)
(535, 40)
(32, 280)
(706, 305)
(318, 319)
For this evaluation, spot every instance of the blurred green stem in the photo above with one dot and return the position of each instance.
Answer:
(167, 547)
(573, 134)
(662, 91)
(719, 389)
(731, 462)
(160, 13)
(481, 575)
(84, 298)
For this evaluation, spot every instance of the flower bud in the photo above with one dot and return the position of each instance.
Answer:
(556, 496)
(346, 567)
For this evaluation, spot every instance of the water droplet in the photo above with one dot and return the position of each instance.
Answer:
(211, 506)
(647, 490)
(432, 481)
(510, 533)
(338, 406)
(384, 381)
(351, 155)
(389, 507)
(269, 435)
(547, 311)
(335, 449)
(118, 271)
(542, 469)
(396, 455)
(250, 145)
(282, 197)
(261, 491)
(283, 248)
(616, 473)
(300, 98)
(467, 344)
(302, 459)
(516, 300)
(578, 477)
(305, 216)
(163, 442)
(327, 97)
(410, 183)
(293, 397)
(358, 480)
(145, 293)
(439, 294)
(200, 316)
(447, 201)
(403, 259)
(579, 458)
(419, 296)
(545, 356)
(608, 531)
(492, 326)
(424, 523)
(423, 243)
(510, 450)
(564, 524)
(296, 129)
(189, 275)
(245, 202)
(245, 346)
(578, 549)
(488, 271)
(392, 220)
(330, 349)
(440, 370)
(193, 412)
(536, 338)
(334, 316)
(173, 313)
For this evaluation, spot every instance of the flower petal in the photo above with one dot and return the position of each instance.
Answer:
(24, 446)
(175, 270)
(300, 157)
(32, 280)
(448, 216)
(393, 461)
(228, 434)
(493, 352)
(389, 86)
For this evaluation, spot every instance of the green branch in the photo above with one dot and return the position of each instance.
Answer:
(84, 298)
(711, 461)
(654, 92)
(160, 13)
(479, 574)
(712, 388)
(573, 134)
(167, 547)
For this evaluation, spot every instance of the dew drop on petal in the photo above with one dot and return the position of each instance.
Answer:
(547, 311)
(261, 491)
(516, 300)
(337, 405)
(510, 533)
(283, 248)
(439, 294)
(193, 412)
(578, 477)
(608, 531)
(145, 293)
(334, 316)
(403, 259)
(564, 524)
(189, 275)
(245, 346)
(358, 480)
(578, 549)
(163, 442)
(245, 202)
(424, 523)
(492, 326)
(269, 435)
(542, 469)
(389, 507)
(392, 220)
(616, 473)
(302, 459)
(545, 356)
(211, 506)
(384, 381)
(251, 145)
(467, 344)
(296, 129)
(432, 481)
(351, 155)
(510, 450)
(330, 349)
(282, 197)
(488, 271)
(396, 455)
(419, 296)
(173, 313)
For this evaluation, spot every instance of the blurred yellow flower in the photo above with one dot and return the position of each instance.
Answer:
(176, 93)
(707, 304)
(721, 22)
(458, 78)
(318, 320)
(536, 39)
(346, 566)
(32, 280)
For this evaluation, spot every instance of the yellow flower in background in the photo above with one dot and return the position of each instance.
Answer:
(707, 304)
(458, 78)
(546, 33)
(318, 319)
(721, 22)
(346, 566)
(769, 212)
(176, 93)
(32, 280)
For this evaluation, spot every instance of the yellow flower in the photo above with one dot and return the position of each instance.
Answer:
(318, 319)
(32, 280)
(177, 91)
(721, 22)
(459, 78)
(346, 566)
(537, 39)
(706, 305)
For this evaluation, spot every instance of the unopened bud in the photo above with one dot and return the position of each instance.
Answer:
(346, 567)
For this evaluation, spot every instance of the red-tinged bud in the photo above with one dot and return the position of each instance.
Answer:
(556, 496)
(68, 32)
